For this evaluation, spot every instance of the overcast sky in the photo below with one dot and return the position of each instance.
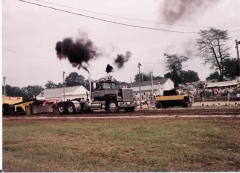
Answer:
(145, 28)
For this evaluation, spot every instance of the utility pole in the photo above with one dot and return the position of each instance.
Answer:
(159, 88)
(131, 82)
(140, 85)
(63, 88)
(152, 81)
(4, 78)
(90, 87)
(237, 43)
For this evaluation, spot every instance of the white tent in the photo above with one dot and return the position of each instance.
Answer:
(221, 84)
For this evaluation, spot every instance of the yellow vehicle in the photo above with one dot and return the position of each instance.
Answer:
(11, 100)
(12, 105)
(15, 105)
(8, 104)
(171, 98)
(21, 107)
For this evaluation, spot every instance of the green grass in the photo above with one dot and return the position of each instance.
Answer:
(131, 145)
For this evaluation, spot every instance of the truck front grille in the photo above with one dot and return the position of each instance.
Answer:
(127, 94)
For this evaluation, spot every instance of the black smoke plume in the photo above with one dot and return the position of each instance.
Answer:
(173, 11)
(79, 52)
(109, 68)
(121, 59)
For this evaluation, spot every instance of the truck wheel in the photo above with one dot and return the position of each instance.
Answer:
(71, 108)
(112, 106)
(158, 105)
(19, 109)
(185, 105)
(6, 109)
(61, 107)
(131, 109)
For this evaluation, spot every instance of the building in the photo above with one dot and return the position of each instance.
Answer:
(56, 94)
(150, 88)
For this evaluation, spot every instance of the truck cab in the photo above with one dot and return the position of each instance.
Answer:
(104, 90)
(112, 98)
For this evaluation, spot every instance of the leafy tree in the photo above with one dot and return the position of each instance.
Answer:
(145, 77)
(50, 84)
(59, 85)
(231, 68)
(86, 84)
(157, 77)
(26, 93)
(213, 76)
(190, 76)
(13, 91)
(31, 91)
(118, 82)
(74, 79)
(174, 65)
(212, 48)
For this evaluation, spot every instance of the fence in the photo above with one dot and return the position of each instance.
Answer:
(214, 98)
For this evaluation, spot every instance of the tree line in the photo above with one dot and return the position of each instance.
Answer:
(29, 92)
(212, 49)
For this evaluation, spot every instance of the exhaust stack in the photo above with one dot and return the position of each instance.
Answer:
(90, 88)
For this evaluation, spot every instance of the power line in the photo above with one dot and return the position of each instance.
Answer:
(123, 24)
(142, 27)
(171, 24)
(26, 54)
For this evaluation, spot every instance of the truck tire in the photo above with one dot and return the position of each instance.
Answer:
(158, 105)
(185, 105)
(71, 108)
(7, 109)
(62, 108)
(112, 106)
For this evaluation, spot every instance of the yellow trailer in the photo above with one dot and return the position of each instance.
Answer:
(11, 100)
(12, 105)
(21, 107)
(8, 103)
(172, 99)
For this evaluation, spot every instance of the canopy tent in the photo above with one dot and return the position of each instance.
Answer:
(221, 84)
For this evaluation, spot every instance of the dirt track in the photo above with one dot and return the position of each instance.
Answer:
(173, 112)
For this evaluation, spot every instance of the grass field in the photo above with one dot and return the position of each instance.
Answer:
(173, 144)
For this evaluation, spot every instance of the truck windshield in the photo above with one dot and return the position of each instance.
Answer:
(108, 85)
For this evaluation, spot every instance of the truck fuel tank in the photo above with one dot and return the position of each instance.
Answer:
(94, 105)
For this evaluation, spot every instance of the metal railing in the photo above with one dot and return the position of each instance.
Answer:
(214, 98)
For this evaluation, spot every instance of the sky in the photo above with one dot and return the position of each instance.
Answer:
(132, 30)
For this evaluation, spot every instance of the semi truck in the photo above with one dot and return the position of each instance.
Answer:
(171, 98)
(103, 95)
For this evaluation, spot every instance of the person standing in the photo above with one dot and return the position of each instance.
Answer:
(238, 96)
(228, 96)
